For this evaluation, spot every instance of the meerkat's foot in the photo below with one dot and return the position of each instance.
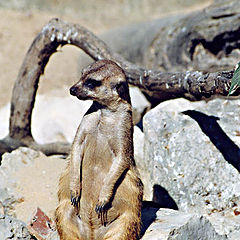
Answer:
(67, 221)
(125, 227)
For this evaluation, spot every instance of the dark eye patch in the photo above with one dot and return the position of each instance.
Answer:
(92, 83)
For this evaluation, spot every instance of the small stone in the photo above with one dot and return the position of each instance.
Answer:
(41, 226)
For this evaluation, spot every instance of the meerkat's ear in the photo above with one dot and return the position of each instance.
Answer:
(123, 91)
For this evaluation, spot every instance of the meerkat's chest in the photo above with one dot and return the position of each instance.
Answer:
(97, 160)
(99, 149)
(98, 152)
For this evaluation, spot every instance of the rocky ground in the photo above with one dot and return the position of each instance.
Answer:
(187, 155)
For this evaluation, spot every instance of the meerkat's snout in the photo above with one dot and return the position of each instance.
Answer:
(78, 90)
(73, 90)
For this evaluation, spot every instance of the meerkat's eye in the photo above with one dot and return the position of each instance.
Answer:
(92, 83)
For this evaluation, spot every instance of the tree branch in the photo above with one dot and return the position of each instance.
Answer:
(56, 33)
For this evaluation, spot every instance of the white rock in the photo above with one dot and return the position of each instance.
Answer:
(140, 104)
(182, 158)
(28, 180)
(56, 116)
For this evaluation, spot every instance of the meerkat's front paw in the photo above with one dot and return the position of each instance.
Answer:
(101, 209)
(75, 192)
(75, 199)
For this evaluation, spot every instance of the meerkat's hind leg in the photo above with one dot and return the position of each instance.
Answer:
(125, 227)
(67, 221)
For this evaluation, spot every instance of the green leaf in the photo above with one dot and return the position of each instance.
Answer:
(235, 83)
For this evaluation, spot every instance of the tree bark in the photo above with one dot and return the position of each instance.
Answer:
(207, 40)
(160, 85)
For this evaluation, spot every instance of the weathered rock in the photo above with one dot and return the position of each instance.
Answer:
(193, 157)
(170, 224)
(63, 117)
(11, 228)
(54, 236)
(29, 180)
(227, 223)
(10, 163)
(8, 201)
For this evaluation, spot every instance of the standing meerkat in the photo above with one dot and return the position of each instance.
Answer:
(100, 192)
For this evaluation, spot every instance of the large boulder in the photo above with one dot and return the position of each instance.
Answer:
(192, 150)
(29, 180)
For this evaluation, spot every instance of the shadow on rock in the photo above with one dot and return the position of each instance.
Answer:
(161, 199)
(209, 125)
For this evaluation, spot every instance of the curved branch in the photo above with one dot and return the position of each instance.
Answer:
(55, 33)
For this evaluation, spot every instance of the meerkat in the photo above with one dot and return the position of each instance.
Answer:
(100, 193)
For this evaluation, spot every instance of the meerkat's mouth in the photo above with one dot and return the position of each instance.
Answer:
(74, 91)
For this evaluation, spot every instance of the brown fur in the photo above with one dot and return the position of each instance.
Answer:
(100, 193)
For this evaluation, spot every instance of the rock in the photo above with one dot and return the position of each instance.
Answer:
(41, 226)
(8, 201)
(195, 156)
(56, 116)
(11, 228)
(140, 104)
(63, 117)
(29, 180)
(227, 223)
(174, 225)
(10, 163)
(138, 140)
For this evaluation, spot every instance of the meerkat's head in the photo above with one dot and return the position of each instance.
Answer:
(104, 82)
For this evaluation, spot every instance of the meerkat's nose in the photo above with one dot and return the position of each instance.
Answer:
(73, 91)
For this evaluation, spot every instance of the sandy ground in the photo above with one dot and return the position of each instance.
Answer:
(38, 182)
(18, 29)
